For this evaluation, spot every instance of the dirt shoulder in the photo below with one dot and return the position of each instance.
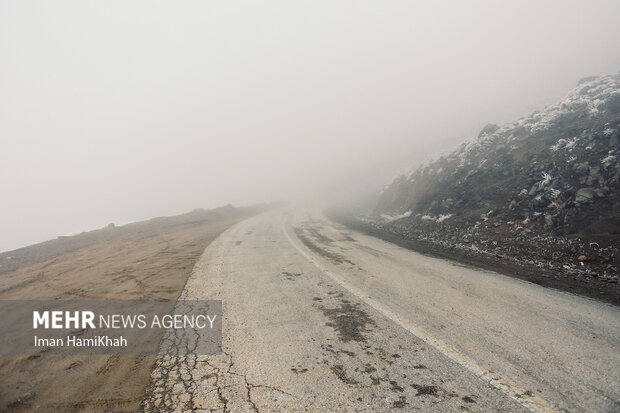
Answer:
(601, 289)
(145, 260)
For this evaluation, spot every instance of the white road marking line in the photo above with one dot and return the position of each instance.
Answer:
(532, 403)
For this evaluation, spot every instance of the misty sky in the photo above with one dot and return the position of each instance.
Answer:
(116, 111)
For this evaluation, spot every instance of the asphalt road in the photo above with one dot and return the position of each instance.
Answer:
(320, 318)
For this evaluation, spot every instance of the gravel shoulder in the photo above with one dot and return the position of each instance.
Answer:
(546, 269)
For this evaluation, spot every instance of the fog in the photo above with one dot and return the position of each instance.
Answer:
(120, 111)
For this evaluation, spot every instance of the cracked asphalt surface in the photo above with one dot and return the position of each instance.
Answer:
(320, 318)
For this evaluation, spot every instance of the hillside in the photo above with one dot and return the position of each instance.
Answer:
(148, 260)
(541, 190)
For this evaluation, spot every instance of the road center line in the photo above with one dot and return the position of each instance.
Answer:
(532, 403)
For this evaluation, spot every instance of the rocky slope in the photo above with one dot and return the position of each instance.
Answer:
(543, 189)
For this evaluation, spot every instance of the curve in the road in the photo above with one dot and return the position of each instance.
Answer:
(532, 403)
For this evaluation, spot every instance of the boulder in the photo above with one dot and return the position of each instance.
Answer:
(584, 195)
(593, 178)
(581, 168)
(519, 131)
(488, 130)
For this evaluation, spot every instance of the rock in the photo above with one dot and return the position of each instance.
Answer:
(594, 176)
(488, 130)
(537, 203)
(519, 131)
(111, 225)
(613, 103)
(584, 195)
(581, 168)
(549, 220)
(546, 188)
(582, 258)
